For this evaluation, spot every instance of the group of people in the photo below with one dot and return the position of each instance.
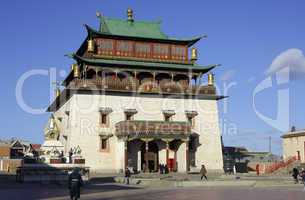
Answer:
(163, 169)
(296, 174)
(75, 179)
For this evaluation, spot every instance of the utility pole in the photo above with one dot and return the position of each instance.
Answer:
(269, 144)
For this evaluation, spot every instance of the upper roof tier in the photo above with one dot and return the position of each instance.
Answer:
(138, 30)
(132, 29)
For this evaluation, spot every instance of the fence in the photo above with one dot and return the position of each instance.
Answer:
(10, 165)
(282, 164)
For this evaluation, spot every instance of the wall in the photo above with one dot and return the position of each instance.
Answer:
(292, 145)
(10, 165)
(84, 127)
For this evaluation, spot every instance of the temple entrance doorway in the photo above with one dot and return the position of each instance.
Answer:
(150, 159)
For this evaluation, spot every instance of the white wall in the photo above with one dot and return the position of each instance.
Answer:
(84, 127)
(292, 145)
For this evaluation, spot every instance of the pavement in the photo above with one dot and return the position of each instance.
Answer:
(165, 187)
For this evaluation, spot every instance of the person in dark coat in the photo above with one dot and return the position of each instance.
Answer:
(70, 155)
(203, 172)
(75, 182)
(161, 168)
(127, 175)
(295, 174)
(302, 174)
(166, 170)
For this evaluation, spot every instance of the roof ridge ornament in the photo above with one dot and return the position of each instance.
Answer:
(98, 14)
(130, 15)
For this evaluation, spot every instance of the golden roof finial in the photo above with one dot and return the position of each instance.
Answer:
(130, 14)
(98, 14)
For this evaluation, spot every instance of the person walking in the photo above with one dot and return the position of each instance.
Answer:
(161, 168)
(127, 175)
(75, 182)
(303, 177)
(70, 155)
(203, 172)
(295, 174)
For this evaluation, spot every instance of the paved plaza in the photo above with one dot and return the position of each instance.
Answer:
(32, 191)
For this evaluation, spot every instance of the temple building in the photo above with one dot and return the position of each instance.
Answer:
(134, 98)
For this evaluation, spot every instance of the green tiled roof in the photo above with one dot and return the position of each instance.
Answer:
(143, 64)
(131, 29)
(184, 41)
(139, 30)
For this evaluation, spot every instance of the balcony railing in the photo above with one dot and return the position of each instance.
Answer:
(144, 86)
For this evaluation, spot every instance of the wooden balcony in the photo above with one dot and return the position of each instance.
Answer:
(144, 86)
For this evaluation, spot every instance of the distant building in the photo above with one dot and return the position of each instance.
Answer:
(5, 150)
(294, 144)
(245, 160)
(17, 149)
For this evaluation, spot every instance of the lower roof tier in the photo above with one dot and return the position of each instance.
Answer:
(88, 89)
(138, 64)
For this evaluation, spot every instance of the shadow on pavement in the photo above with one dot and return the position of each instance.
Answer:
(108, 179)
(32, 191)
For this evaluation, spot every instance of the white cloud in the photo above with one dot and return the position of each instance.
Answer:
(290, 63)
(227, 75)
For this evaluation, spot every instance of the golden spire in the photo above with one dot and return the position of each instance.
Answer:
(130, 14)
(98, 14)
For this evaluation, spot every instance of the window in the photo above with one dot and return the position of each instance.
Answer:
(168, 115)
(105, 46)
(191, 120)
(190, 116)
(104, 116)
(104, 120)
(67, 119)
(167, 118)
(124, 48)
(104, 144)
(160, 51)
(129, 116)
(142, 49)
(178, 52)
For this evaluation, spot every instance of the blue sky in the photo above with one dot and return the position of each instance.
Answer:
(244, 36)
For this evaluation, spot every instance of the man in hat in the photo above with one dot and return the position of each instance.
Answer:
(74, 183)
